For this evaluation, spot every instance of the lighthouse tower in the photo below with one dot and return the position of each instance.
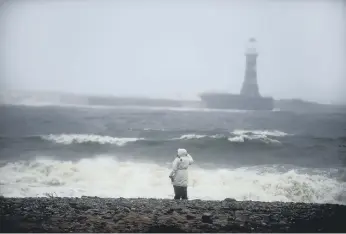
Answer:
(250, 86)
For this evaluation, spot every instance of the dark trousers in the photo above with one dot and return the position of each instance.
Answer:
(180, 192)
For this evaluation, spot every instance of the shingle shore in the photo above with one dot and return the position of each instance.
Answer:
(93, 214)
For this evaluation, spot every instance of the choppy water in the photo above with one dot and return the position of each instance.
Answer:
(112, 152)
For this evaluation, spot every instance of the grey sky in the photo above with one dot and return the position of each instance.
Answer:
(174, 49)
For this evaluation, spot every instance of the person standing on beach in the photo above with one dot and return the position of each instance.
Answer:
(179, 174)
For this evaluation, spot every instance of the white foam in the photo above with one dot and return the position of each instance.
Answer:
(264, 139)
(190, 136)
(84, 138)
(196, 136)
(237, 139)
(106, 177)
(274, 133)
(261, 135)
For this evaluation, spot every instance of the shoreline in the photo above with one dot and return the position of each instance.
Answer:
(94, 214)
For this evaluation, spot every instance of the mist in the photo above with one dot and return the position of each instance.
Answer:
(174, 49)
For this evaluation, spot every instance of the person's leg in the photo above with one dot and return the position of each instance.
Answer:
(184, 193)
(176, 192)
(180, 192)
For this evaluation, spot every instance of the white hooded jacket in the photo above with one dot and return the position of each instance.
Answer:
(180, 165)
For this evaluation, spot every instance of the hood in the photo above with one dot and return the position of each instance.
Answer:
(182, 152)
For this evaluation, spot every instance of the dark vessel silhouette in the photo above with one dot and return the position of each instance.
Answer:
(249, 97)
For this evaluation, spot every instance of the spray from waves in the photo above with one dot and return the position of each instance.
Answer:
(84, 138)
(107, 177)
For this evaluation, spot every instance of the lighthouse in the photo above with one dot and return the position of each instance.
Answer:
(250, 86)
(249, 97)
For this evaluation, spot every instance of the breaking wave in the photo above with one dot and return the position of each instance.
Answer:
(196, 136)
(237, 136)
(107, 177)
(83, 138)
(241, 136)
(274, 133)
(251, 140)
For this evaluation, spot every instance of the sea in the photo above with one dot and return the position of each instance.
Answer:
(74, 151)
